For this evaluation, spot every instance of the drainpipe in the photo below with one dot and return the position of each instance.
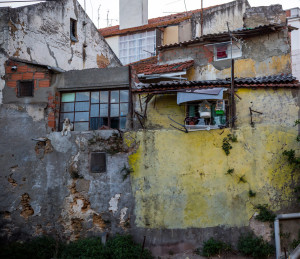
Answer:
(277, 231)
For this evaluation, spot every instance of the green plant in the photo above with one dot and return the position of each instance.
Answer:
(226, 143)
(242, 179)
(256, 247)
(251, 193)
(230, 171)
(264, 213)
(213, 247)
(296, 242)
(123, 247)
(232, 137)
(126, 171)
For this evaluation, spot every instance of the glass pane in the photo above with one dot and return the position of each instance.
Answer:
(114, 110)
(80, 126)
(103, 110)
(104, 97)
(122, 122)
(124, 95)
(123, 109)
(81, 116)
(82, 96)
(69, 115)
(114, 123)
(82, 106)
(94, 123)
(94, 110)
(68, 97)
(114, 96)
(67, 107)
(95, 97)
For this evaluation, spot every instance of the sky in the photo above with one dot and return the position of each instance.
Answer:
(156, 8)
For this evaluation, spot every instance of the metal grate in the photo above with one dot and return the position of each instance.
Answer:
(98, 162)
(25, 89)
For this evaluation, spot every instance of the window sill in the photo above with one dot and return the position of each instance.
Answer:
(203, 127)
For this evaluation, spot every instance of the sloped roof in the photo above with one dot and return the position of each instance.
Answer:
(224, 36)
(274, 81)
(152, 23)
(149, 66)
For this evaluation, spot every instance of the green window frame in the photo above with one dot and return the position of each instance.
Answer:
(93, 110)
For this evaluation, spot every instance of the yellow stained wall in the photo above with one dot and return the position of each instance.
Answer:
(179, 179)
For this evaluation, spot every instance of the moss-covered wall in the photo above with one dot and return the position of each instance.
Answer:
(180, 180)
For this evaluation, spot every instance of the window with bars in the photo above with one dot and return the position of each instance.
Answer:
(137, 46)
(25, 88)
(91, 110)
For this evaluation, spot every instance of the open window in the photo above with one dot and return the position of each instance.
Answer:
(222, 51)
(205, 109)
(73, 30)
(93, 110)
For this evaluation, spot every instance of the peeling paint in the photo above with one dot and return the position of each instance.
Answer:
(113, 203)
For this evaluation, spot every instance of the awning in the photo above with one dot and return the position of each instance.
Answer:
(200, 94)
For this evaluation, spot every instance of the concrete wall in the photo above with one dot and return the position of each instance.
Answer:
(215, 19)
(262, 55)
(133, 13)
(41, 33)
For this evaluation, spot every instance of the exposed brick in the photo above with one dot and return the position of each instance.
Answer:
(22, 69)
(50, 97)
(11, 83)
(8, 70)
(39, 75)
(32, 69)
(16, 77)
(27, 76)
(51, 124)
(44, 83)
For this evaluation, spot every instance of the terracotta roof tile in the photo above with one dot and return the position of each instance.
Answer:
(152, 23)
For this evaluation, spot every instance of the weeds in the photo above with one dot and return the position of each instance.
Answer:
(126, 171)
(264, 213)
(213, 247)
(226, 143)
(230, 171)
(256, 247)
(251, 194)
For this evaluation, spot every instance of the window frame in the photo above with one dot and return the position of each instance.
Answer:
(236, 50)
(109, 117)
(73, 30)
(19, 90)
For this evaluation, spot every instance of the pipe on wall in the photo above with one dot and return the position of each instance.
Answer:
(277, 231)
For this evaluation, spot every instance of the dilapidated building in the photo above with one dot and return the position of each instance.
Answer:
(173, 158)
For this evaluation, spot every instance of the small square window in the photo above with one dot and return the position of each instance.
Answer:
(73, 30)
(25, 88)
(98, 162)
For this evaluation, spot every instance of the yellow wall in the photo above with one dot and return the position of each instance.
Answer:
(179, 179)
(170, 35)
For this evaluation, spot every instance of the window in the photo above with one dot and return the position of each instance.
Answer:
(95, 109)
(223, 51)
(98, 162)
(207, 114)
(73, 30)
(137, 46)
(25, 88)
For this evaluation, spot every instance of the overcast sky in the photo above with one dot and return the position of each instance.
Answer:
(157, 7)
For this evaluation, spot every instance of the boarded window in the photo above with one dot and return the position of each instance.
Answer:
(73, 30)
(25, 89)
(98, 162)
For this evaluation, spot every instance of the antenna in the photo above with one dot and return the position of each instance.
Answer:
(107, 20)
(99, 16)
(185, 7)
(201, 18)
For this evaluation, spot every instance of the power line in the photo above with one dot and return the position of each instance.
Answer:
(25, 1)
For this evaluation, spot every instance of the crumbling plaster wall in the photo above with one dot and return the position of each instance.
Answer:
(47, 187)
(182, 192)
(262, 55)
(41, 33)
(215, 19)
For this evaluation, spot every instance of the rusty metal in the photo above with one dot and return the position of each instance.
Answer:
(251, 113)
(143, 247)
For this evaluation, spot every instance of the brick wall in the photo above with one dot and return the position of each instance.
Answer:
(41, 77)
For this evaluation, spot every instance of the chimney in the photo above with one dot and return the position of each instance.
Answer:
(133, 13)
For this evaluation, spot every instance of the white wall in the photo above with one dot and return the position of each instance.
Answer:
(295, 45)
(114, 44)
(41, 33)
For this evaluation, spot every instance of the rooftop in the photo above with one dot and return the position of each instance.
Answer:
(275, 81)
